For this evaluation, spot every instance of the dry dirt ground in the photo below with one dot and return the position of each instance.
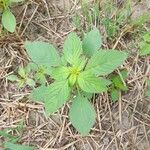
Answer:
(124, 125)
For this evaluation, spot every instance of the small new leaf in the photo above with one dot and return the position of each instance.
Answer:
(72, 79)
(146, 37)
(144, 48)
(115, 95)
(30, 82)
(117, 81)
(145, 45)
(40, 78)
(12, 78)
(22, 72)
(82, 115)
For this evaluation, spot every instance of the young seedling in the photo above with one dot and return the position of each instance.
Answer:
(139, 21)
(145, 45)
(23, 78)
(113, 17)
(118, 84)
(8, 19)
(90, 13)
(77, 74)
(10, 142)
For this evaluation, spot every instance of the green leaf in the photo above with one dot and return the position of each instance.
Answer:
(57, 94)
(91, 84)
(148, 93)
(115, 95)
(27, 69)
(72, 48)
(118, 83)
(87, 95)
(12, 146)
(38, 94)
(9, 20)
(6, 135)
(40, 78)
(77, 21)
(22, 72)
(106, 61)
(21, 83)
(148, 83)
(30, 82)
(85, 2)
(92, 42)
(48, 71)
(32, 66)
(144, 48)
(82, 115)
(72, 79)
(60, 73)
(111, 27)
(139, 21)
(81, 63)
(63, 61)
(124, 74)
(147, 37)
(12, 78)
(42, 53)
(41, 72)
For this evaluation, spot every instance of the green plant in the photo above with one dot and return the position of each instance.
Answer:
(78, 73)
(8, 19)
(118, 84)
(10, 142)
(90, 14)
(145, 45)
(114, 18)
(142, 19)
(23, 78)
